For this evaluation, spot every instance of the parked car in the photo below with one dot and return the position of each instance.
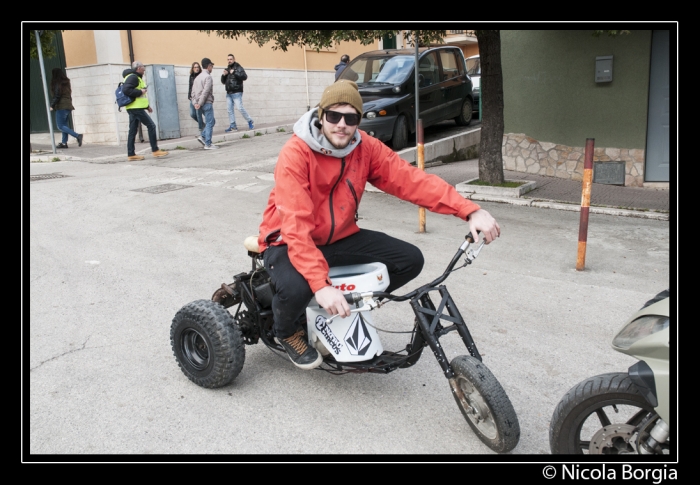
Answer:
(474, 71)
(386, 82)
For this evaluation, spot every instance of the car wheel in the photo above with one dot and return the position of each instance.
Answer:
(465, 115)
(399, 138)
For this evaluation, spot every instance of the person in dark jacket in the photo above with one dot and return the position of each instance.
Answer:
(233, 77)
(344, 59)
(195, 114)
(62, 103)
(134, 86)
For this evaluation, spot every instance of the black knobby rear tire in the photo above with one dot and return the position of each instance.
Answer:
(577, 417)
(399, 138)
(208, 346)
(484, 404)
(465, 115)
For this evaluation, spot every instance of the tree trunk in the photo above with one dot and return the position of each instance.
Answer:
(490, 155)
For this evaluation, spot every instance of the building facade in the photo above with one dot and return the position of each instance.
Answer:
(281, 86)
(561, 87)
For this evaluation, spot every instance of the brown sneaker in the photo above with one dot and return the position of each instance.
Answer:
(159, 153)
(299, 351)
(134, 158)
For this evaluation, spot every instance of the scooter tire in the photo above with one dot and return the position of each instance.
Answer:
(484, 404)
(589, 398)
(208, 346)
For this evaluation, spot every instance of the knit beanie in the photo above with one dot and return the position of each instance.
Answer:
(341, 91)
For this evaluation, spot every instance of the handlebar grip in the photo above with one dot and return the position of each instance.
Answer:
(469, 237)
(352, 297)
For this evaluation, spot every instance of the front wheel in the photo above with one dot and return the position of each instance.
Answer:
(399, 139)
(208, 346)
(465, 115)
(484, 404)
(600, 415)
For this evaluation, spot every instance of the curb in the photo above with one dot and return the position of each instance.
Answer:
(553, 204)
(189, 143)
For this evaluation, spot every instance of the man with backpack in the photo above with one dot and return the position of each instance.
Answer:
(233, 77)
(135, 87)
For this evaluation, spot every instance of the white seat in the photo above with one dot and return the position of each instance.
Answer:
(251, 244)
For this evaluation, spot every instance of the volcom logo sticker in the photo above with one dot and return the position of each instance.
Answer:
(358, 338)
(328, 334)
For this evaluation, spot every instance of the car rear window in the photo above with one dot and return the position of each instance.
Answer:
(389, 69)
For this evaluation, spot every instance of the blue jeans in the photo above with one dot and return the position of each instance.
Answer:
(62, 124)
(196, 115)
(136, 115)
(209, 121)
(236, 99)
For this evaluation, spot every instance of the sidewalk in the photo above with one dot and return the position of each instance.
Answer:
(551, 192)
(42, 149)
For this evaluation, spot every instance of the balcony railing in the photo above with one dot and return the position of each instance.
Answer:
(455, 32)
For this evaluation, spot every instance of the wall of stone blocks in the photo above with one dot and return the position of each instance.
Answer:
(269, 96)
(522, 153)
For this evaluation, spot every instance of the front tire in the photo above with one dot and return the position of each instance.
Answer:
(399, 138)
(208, 346)
(484, 404)
(465, 115)
(598, 416)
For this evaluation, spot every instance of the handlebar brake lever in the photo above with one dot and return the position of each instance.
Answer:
(471, 254)
(368, 304)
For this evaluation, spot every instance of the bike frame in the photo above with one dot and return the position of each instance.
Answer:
(432, 322)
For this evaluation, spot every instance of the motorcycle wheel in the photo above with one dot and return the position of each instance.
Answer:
(599, 416)
(208, 346)
(484, 404)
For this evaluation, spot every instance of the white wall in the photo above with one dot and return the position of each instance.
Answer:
(270, 96)
(108, 46)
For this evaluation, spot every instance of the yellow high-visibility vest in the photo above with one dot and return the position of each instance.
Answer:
(141, 101)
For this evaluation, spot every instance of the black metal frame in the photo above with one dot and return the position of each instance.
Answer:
(429, 326)
(252, 287)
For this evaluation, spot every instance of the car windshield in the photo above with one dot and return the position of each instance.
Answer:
(379, 70)
(474, 66)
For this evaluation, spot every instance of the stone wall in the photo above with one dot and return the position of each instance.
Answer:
(522, 153)
(270, 96)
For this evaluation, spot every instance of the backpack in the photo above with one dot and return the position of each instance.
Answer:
(122, 99)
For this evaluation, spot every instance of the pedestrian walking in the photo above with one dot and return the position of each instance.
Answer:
(195, 114)
(203, 99)
(344, 59)
(62, 104)
(233, 77)
(135, 87)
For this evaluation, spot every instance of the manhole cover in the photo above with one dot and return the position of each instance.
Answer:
(46, 176)
(159, 189)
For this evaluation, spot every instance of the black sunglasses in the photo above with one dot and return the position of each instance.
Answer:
(351, 119)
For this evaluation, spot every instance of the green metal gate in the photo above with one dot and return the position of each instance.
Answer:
(38, 122)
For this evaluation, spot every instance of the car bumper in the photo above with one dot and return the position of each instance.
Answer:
(381, 127)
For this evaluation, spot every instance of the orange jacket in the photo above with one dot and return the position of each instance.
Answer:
(316, 197)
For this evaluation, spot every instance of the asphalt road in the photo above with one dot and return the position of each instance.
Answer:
(114, 252)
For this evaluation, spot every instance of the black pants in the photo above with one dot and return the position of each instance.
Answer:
(137, 115)
(403, 260)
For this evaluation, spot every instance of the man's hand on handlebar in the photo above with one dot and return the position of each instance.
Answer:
(481, 220)
(333, 301)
